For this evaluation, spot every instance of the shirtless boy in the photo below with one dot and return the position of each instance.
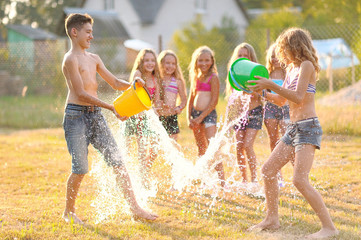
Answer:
(83, 120)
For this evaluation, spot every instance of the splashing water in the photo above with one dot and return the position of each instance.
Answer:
(109, 198)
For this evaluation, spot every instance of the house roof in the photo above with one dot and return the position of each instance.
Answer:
(337, 49)
(106, 23)
(32, 33)
(147, 10)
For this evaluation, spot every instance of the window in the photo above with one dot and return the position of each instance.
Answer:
(201, 6)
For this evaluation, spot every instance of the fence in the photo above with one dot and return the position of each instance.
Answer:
(38, 68)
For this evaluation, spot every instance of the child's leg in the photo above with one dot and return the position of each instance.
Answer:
(72, 189)
(251, 155)
(241, 158)
(303, 163)
(211, 132)
(123, 180)
(281, 155)
(201, 139)
(272, 130)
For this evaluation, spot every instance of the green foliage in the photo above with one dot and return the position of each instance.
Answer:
(221, 40)
(270, 24)
(45, 14)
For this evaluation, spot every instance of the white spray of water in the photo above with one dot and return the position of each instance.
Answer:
(109, 199)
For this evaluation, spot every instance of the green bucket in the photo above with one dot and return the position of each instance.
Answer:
(243, 70)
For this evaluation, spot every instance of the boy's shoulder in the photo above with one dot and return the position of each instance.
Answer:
(71, 57)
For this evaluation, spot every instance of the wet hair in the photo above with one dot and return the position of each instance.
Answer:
(295, 45)
(251, 56)
(76, 20)
(194, 71)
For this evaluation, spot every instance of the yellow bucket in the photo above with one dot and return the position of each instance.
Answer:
(132, 101)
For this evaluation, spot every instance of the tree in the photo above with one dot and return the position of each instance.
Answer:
(44, 14)
(221, 39)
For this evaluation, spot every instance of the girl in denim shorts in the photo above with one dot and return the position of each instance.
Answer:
(303, 135)
(203, 99)
(246, 130)
(276, 118)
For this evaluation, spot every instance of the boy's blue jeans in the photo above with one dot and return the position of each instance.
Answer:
(84, 125)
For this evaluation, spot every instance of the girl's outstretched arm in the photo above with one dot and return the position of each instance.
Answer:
(306, 72)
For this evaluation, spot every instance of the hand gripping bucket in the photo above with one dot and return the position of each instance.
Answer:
(132, 101)
(243, 70)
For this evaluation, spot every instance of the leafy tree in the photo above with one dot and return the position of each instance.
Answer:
(44, 14)
(221, 39)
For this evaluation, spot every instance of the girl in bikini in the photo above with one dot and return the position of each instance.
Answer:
(146, 68)
(276, 118)
(173, 86)
(246, 131)
(203, 99)
(303, 134)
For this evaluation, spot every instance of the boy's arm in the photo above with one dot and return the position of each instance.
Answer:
(113, 81)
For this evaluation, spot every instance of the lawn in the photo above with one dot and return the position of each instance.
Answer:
(35, 165)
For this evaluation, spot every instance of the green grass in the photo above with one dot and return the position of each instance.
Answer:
(35, 165)
(32, 112)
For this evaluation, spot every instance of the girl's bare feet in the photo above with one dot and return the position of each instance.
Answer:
(323, 233)
(265, 225)
(139, 213)
(70, 217)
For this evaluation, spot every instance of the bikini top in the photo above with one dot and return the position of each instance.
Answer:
(204, 86)
(151, 90)
(172, 86)
(292, 80)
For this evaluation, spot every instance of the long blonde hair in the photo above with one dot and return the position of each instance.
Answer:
(139, 65)
(194, 71)
(251, 56)
(295, 45)
(178, 74)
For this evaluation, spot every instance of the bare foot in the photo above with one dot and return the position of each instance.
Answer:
(72, 218)
(139, 214)
(323, 233)
(265, 225)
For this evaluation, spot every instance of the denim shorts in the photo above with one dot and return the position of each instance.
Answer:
(209, 120)
(272, 111)
(254, 120)
(82, 126)
(170, 123)
(306, 131)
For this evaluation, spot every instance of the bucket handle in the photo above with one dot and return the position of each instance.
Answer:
(237, 84)
(146, 90)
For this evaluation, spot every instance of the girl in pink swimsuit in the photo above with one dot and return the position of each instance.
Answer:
(203, 99)
(146, 68)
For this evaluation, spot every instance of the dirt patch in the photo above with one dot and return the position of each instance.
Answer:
(350, 95)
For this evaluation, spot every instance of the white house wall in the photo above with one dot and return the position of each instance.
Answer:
(172, 16)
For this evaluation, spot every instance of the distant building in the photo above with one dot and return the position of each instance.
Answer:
(34, 44)
(146, 20)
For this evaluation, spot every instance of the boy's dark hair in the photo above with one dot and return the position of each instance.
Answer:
(76, 20)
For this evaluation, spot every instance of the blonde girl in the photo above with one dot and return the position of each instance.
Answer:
(203, 99)
(246, 131)
(276, 117)
(173, 85)
(146, 68)
(303, 134)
